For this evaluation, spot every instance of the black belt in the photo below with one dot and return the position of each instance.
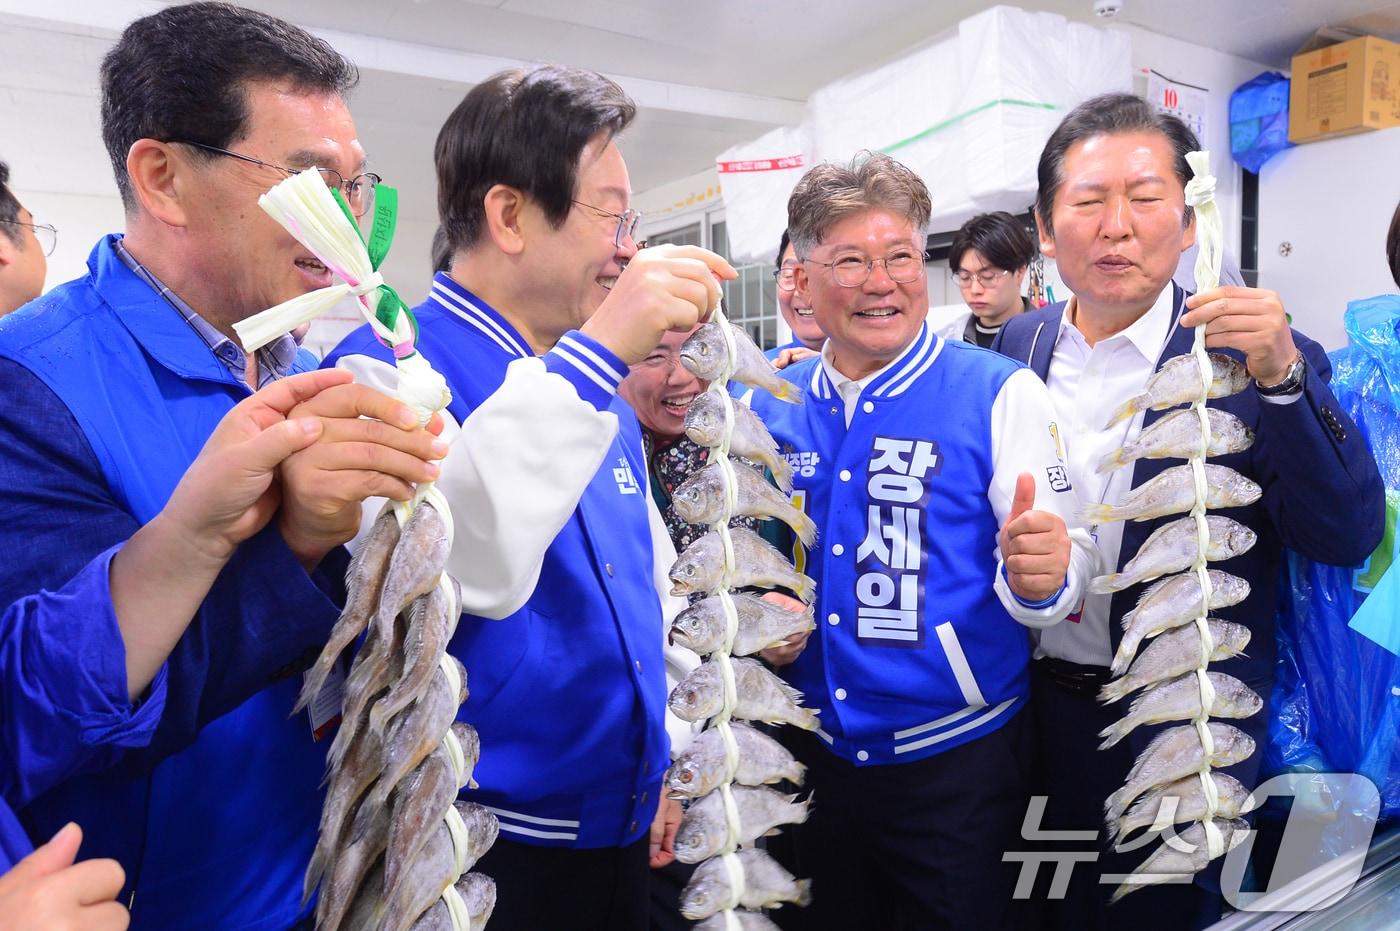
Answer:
(1073, 677)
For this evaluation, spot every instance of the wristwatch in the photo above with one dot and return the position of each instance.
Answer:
(1292, 382)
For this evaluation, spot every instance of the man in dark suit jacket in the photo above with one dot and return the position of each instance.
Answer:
(1111, 211)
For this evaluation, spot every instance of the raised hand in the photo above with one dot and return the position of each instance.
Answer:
(663, 288)
(1251, 320)
(370, 446)
(1034, 545)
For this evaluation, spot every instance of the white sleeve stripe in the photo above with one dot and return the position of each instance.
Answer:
(442, 291)
(463, 315)
(593, 357)
(578, 364)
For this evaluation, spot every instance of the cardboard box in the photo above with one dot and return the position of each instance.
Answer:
(1344, 88)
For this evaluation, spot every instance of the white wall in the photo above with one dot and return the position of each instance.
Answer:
(51, 137)
(1331, 202)
(1219, 73)
(677, 202)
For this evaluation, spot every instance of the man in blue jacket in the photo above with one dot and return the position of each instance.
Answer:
(1111, 212)
(534, 327)
(932, 470)
(109, 387)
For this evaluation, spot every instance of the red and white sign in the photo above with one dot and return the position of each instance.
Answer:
(761, 164)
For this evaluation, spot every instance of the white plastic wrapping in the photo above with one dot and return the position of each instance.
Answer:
(968, 112)
(756, 179)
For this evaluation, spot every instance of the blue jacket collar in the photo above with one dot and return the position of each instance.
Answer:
(461, 303)
(154, 324)
(896, 377)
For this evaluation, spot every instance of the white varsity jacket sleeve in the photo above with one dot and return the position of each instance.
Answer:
(517, 468)
(1025, 438)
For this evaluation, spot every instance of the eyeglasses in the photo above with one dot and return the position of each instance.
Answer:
(627, 222)
(786, 277)
(358, 191)
(852, 271)
(987, 277)
(47, 235)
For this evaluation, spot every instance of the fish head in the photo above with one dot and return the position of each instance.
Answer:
(1237, 747)
(693, 701)
(685, 777)
(703, 420)
(697, 498)
(684, 576)
(701, 897)
(703, 351)
(693, 628)
(1236, 637)
(469, 739)
(692, 839)
(1240, 539)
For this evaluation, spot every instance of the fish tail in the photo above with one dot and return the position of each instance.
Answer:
(1114, 733)
(803, 526)
(797, 774)
(314, 871)
(1107, 584)
(782, 471)
(1113, 807)
(1095, 513)
(804, 893)
(1126, 410)
(806, 719)
(344, 632)
(785, 390)
(1146, 879)
(806, 588)
(311, 685)
(1114, 460)
(1115, 690)
(1127, 649)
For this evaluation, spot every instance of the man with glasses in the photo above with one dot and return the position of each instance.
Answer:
(111, 384)
(989, 257)
(796, 312)
(24, 249)
(932, 470)
(534, 327)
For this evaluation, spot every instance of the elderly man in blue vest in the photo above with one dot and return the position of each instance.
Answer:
(111, 384)
(1111, 212)
(944, 510)
(547, 304)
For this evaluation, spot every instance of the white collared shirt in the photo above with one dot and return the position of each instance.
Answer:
(1087, 384)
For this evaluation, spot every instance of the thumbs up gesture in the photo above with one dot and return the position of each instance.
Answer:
(1034, 546)
(47, 891)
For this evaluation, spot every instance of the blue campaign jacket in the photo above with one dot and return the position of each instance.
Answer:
(106, 396)
(568, 693)
(65, 706)
(912, 655)
(1323, 495)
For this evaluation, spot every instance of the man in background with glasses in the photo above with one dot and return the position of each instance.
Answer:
(109, 386)
(796, 311)
(988, 258)
(24, 249)
(932, 470)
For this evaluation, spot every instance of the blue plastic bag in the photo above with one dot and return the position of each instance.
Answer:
(1336, 699)
(1259, 120)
